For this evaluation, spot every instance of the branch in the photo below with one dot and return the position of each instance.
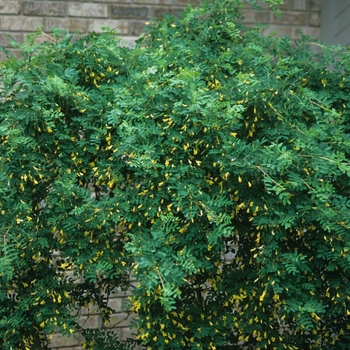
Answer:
(267, 175)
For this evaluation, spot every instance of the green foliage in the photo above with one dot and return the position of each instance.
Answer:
(210, 162)
(63, 243)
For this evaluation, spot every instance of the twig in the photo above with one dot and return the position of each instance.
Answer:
(267, 175)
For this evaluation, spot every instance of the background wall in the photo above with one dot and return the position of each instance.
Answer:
(20, 17)
(90, 318)
(297, 15)
(336, 22)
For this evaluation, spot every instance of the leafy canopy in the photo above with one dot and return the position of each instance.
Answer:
(209, 162)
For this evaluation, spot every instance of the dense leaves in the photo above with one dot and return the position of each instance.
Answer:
(63, 242)
(210, 162)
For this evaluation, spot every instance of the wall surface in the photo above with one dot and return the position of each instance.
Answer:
(336, 22)
(90, 318)
(20, 17)
(297, 16)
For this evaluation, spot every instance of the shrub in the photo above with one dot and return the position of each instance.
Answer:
(63, 244)
(210, 162)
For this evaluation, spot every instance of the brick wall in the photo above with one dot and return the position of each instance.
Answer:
(297, 15)
(90, 318)
(20, 17)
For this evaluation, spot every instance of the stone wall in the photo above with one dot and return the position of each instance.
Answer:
(20, 17)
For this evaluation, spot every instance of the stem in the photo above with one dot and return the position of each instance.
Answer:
(314, 156)
(267, 175)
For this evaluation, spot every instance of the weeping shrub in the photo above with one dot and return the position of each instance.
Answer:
(210, 162)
